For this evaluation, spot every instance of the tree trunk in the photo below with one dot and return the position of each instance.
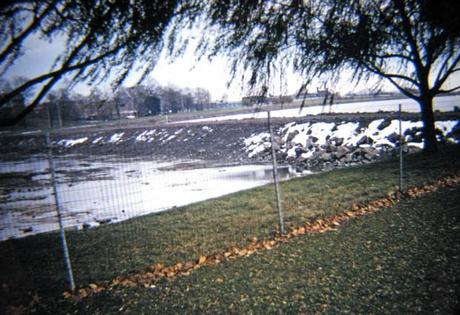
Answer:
(429, 130)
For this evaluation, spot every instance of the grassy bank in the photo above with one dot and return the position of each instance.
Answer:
(34, 264)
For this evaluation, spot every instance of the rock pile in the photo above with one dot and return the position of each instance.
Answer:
(327, 145)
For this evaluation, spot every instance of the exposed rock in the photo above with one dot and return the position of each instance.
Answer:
(337, 141)
(455, 133)
(300, 150)
(325, 157)
(385, 123)
(394, 138)
(330, 148)
(310, 143)
(348, 158)
(369, 153)
(413, 135)
(292, 135)
(341, 152)
(364, 140)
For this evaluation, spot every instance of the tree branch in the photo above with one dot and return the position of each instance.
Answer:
(449, 90)
(16, 41)
(29, 108)
(379, 72)
(55, 75)
(450, 70)
(65, 67)
(389, 56)
(411, 40)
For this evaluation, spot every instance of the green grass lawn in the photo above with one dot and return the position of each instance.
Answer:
(34, 264)
(401, 260)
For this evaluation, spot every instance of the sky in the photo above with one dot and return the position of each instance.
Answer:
(184, 72)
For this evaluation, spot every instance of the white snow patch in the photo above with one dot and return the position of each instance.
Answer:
(97, 140)
(169, 138)
(321, 131)
(292, 128)
(116, 137)
(146, 136)
(306, 155)
(345, 130)
(415, 144)
(257, 143)
(446, 126)
(70, 143)
(257, 138)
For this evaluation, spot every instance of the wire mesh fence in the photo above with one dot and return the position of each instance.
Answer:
(122, 207)
(130, 198)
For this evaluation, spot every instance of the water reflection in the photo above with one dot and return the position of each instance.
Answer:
(265, 174)
(94, 191)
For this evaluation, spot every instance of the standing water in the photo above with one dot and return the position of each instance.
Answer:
(102, 191)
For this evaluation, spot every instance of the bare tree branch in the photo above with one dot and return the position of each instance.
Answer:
(449, 71)
(449, 90)
(17, 41)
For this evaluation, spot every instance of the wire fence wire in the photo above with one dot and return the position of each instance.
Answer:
(127, 204)
(121, 211)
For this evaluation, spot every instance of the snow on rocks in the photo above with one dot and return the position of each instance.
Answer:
(116, 138)
(316, 145)
(97, 140)
(257, 143)
(67, 143)
(146, 136)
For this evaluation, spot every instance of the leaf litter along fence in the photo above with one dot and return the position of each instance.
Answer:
(118, 207)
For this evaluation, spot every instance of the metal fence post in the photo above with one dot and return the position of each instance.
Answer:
(65, 249)
(275, 177)
(401, 142)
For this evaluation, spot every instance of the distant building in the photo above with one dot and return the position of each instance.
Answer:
(150, 107)
(253, 100)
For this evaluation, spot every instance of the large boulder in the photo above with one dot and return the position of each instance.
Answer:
(341, 152)
(364, 140)
(369, 153)
(325, 157)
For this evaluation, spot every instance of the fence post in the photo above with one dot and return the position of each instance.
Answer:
(65, 249)
(275, 177)
(401, 143)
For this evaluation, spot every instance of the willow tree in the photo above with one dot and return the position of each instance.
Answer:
(102, 39)
(400, 41)
(394, 40)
